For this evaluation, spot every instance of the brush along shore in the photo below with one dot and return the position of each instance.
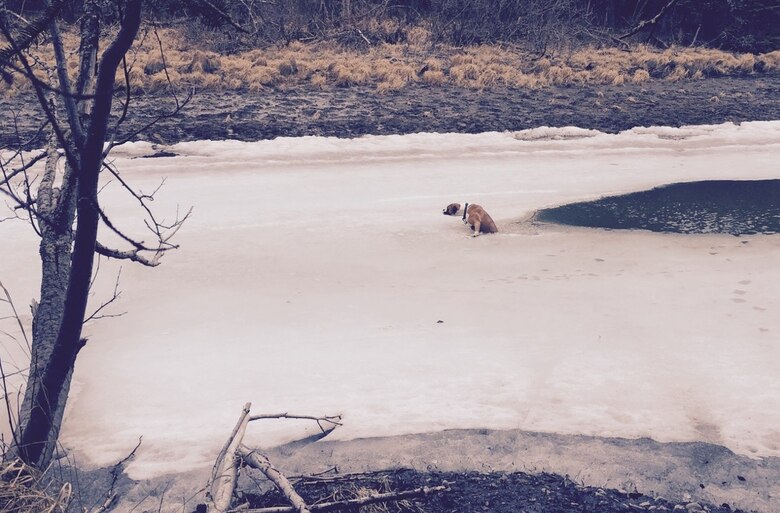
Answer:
(164, 59)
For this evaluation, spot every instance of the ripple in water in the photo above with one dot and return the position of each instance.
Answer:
(713, 206)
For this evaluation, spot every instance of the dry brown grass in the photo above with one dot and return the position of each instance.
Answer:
(389, 67)
(771, 60)
(382, 485)
(22, 491)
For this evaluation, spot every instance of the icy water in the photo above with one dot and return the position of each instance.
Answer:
(713, 206)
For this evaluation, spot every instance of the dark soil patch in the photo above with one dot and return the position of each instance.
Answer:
(471, 492)
(351, 112)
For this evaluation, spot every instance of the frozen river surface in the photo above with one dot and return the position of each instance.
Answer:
(319, 276)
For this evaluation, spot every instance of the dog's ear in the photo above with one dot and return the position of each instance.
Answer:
(452, 209)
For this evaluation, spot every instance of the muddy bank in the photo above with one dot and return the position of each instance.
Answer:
(351, 112)
(467, 492)
(680, 472)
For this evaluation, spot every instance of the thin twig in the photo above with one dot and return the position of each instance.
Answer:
(114, 297)
(15, 314)
(7, 401)
(116, 471)
(129, 137)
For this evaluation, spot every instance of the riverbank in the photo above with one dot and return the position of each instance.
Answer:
(356, 111)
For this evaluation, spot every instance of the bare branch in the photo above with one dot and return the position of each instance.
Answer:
(132, 255)
(29, 34)
(115, 296)
(116, 471)
(125, 104)
(163, 239)
(165, 65)
(8, 176)
(34, 80)
(651, 22)
(333, 420)
(163, 232)
(65, 87)
(45, 104)
(88, 47)
(129, 137)
(22, 196)
(107, 221)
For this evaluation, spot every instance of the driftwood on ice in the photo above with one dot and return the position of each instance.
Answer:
(222, 484)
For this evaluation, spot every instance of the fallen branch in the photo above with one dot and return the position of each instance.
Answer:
(222, 484)
(225, 472)
(263, 464)
(334, 420)
(358, 502)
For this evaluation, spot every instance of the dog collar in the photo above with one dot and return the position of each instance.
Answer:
(465, 209)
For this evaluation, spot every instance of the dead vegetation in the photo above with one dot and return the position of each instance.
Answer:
(496, 492)
(391, 67)
(23, 490)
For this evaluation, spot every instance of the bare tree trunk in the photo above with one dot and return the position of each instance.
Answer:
(54, 249)
(38, 435)
(66, 216)
(57, 210)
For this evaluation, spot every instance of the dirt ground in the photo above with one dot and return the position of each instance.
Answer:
(469, 492)
(351, 112)
(515, 470)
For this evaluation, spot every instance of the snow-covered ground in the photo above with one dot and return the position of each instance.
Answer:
(314, 273)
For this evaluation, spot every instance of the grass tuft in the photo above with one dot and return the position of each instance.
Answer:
(434, 78)
(770, 61)
(640, 76)
(22, 491)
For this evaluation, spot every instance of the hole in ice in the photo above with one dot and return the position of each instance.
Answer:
(737, 207)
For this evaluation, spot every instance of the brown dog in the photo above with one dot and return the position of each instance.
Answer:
(473, 215)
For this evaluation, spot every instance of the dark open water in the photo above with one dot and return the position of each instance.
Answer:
(714, 206)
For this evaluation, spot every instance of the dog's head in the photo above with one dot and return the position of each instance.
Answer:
(452, 209)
